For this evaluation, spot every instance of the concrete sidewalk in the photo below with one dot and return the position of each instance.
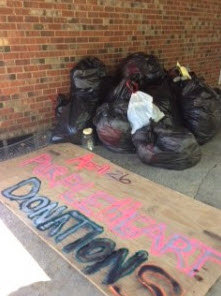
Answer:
(202, 182)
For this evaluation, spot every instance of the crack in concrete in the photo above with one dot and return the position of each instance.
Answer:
(204, 178)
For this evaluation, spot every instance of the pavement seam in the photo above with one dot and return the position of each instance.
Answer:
(204, 178)
(213, 287)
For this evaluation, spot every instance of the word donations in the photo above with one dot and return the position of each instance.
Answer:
(61, 224)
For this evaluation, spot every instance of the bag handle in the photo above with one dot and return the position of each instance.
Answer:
(132, 85)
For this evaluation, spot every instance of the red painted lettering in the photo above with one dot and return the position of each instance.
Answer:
(42, 159)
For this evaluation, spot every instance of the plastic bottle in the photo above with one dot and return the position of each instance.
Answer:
(88, 139)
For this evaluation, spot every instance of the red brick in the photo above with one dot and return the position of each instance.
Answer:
(22, 62)
(24, 75)
(11, 3)
(6, 111)
(14, 69)
(6, 11)
(2, 70)
(32, 19)
(7, 26)
(31, 4)
(15, 18)
(23, 120)
(15, 34)
(11, 91)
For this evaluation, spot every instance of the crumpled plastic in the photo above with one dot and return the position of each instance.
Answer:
(86, 78)
(200, 108)
(62, 101)
(142, 68)
(163, 145)
(141, 110)
(113, 128)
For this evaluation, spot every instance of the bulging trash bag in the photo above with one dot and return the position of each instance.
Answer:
(122, 91)
(217, 91)
(164, 99)
(87, 74)
(113, 128)
(86, 78)
(71, 123)
(200, 107)
(142, 68)
(108, 84)
(62, 101)
(162, 145)
(141, 110)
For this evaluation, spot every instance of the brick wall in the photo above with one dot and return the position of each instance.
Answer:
(40, 40)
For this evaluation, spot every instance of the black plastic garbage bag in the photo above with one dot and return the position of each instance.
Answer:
(218, 91)
(142, 68)
(162, 145)
(86, 78)
(165, 99)
(62, 101)
(87, 74)
(113, 128)
(108, 84)
(200, 106)
(121, 91)
(71, 123)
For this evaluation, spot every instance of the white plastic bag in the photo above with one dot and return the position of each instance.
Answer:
(141, 109)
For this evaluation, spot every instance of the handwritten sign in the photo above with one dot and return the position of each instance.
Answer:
(121, 231)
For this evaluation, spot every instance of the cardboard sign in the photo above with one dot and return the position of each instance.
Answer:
(126, 234)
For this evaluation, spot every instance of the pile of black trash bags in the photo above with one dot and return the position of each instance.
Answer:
(142, 109)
